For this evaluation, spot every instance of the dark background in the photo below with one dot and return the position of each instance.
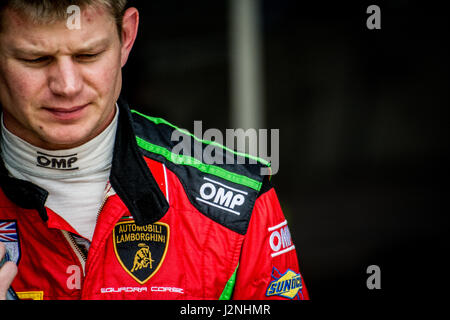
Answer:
(363, 127)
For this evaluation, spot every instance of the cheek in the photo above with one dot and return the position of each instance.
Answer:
(20, 87)
(102, 78)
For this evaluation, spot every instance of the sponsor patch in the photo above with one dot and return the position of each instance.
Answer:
(65, 163)
(141, 249)
(287, 285)
(280, 239)
(10, 238)
(31, 295)
(219, 195)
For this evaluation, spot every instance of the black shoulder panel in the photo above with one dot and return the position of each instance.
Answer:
(220, 183)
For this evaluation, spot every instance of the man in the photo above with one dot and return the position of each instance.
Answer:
(93, 202)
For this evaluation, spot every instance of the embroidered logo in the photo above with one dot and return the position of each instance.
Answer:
(287, 285)
(141, 249)
(10, 238)
(65, 163)
(219, 195)
(280, 239)
(143, 258)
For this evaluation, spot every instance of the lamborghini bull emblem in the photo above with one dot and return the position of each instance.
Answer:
(140, 250)
(143, 258)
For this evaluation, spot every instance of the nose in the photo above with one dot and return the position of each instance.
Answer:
(65, 79)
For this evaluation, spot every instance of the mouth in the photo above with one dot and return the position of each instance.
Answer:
(70, 113)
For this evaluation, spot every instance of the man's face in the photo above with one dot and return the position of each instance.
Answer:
(58, 87)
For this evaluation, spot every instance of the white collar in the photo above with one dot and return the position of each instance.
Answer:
(89, 158)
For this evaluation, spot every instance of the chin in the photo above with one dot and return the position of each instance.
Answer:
(66, 140)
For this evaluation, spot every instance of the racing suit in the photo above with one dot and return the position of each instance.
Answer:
(170, 227)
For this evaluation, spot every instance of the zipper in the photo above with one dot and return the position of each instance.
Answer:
(80, 255)
(101, 208)
(108, 192)
(76, 249)
(70, 239)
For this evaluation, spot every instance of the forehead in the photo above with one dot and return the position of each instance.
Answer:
(19, 29)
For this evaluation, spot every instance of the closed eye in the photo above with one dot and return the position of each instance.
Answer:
(37, 60)
(86, 57)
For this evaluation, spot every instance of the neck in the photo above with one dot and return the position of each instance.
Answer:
(24, 158)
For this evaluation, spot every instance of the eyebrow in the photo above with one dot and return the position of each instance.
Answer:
(93, 45)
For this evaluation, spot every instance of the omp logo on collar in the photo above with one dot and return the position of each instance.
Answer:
(288, 285)
(141, 249)
(221, 196)
(56, 162)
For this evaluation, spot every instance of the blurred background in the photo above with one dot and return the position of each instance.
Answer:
(363, 120)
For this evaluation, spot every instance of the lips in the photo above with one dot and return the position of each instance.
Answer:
(70, 113)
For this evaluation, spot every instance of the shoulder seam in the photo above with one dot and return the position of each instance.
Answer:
(205, 168)
(162, 121)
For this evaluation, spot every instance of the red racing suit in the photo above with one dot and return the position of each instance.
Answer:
(171, 227)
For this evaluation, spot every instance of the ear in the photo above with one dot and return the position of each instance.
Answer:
(130, 25)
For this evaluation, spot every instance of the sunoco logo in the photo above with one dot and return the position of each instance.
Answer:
(57, 162)
(221, 196)
(287, 285)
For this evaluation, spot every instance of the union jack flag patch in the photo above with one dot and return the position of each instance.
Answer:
(10, 238)
(8, 231)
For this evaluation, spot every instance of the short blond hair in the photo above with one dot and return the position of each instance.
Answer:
(50, 11)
